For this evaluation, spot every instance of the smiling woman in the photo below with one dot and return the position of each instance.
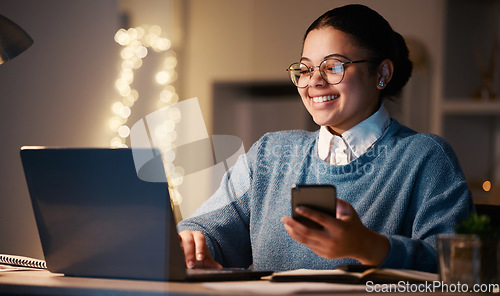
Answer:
(377, 54)
(397, 189)
(354, 96)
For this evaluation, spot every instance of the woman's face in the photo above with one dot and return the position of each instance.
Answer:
(352, 100)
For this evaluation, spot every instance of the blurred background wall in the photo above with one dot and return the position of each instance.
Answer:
(60, 91)
(56, 93)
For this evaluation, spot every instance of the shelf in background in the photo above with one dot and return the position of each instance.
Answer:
(471, 107)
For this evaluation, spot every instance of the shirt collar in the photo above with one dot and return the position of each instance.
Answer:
(360, 138)
(325, 138)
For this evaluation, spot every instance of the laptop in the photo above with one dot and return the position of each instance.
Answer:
(97, 218)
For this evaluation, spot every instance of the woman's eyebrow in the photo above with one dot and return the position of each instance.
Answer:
(333, 55)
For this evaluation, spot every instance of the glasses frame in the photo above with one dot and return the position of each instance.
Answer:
(323, 75)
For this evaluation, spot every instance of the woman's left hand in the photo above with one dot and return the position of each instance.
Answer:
(342, 237)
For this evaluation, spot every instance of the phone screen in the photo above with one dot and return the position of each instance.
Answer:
(321, 197)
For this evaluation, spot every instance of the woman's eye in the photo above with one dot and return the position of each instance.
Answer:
(305, 71)
(334, 69)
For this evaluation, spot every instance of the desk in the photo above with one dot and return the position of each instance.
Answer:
(42, 282)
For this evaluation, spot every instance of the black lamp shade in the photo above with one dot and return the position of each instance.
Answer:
(13, 40)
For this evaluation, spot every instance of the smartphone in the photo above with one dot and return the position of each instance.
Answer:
(317, 197)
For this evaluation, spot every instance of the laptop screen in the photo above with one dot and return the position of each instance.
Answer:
(96, 217)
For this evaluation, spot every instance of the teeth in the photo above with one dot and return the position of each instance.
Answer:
(324, 98)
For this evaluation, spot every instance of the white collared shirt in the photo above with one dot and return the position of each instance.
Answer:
(340, 150)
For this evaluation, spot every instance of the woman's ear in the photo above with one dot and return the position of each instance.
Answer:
(385, 71)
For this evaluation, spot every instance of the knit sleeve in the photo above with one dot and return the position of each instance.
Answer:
(440, 199)
(224, 218)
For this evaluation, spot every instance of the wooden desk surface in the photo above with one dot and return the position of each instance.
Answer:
(42, 282)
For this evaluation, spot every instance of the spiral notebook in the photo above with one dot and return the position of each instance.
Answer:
(97, 218)
(21, 261)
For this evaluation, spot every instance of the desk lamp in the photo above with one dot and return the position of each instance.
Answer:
(13, 40)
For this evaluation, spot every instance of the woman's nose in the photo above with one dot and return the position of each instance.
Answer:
(316, 78)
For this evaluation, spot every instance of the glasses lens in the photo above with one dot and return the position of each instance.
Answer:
(332, 71)
(299, 74)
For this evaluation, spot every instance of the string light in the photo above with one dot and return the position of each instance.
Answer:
(487, 186)
(137, 44)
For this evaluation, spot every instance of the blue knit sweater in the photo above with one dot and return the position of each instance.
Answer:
(408, 187)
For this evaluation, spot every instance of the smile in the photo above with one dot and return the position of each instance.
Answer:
(324, 98)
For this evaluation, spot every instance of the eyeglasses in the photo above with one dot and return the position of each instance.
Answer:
(331, 70)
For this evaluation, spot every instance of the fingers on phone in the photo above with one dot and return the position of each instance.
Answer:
(344, 209)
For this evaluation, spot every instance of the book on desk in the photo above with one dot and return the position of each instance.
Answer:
(375, 275)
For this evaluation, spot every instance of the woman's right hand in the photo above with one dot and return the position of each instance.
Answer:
(196, 250)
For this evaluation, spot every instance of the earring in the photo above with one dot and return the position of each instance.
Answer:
(381, 83)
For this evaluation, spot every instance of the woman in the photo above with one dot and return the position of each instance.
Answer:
(396, 189)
